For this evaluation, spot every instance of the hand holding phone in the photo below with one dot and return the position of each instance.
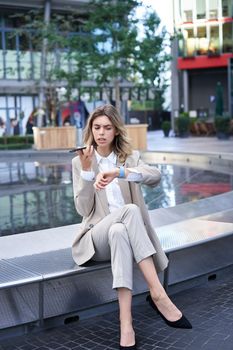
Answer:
(77, 149)
(85, 156)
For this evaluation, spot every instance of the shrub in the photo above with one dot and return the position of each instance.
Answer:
(16, 142)
(15, 146)
(182, 124)
(166, 127)
(222, 124)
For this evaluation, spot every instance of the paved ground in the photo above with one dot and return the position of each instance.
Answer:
(156, 141)
(209, 307)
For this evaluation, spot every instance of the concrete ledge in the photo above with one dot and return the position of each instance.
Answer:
(37, 242)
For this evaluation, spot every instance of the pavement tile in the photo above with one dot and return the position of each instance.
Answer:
(179, 344)
(208, 306)
(163, 344)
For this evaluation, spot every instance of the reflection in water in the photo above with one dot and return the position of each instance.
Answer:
(35, 196)
(180, 184)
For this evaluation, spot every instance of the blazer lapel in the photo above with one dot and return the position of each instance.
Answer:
(101, 194)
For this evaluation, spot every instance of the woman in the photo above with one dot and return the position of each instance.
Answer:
(116, 226)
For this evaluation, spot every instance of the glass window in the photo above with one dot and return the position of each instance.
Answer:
(11, 56)
(35, 41)
(1, 46)
(1, 58)
(8, 21)
(10, 40)
(213, 9)
(228, 37)
(24, 44)
(36, 62)
(202, 41)
(187, 10)
(214, 48)
(227, 8)
(13, 20)
(201, 9)
(189, 42)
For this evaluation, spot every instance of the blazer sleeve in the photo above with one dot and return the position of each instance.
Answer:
(84, 192)
(151, 175)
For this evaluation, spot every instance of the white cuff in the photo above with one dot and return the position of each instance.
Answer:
(87, 175)
(134, 176)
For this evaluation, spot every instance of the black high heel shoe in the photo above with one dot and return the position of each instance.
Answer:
(181, 323)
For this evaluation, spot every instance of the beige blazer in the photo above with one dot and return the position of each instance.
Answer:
(92, 205)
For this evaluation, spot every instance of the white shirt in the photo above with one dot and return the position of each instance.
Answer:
(113, 191)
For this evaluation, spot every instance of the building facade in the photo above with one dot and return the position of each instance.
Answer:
(202, 55)
(20, 61)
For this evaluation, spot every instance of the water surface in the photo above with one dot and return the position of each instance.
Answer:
(35, 196)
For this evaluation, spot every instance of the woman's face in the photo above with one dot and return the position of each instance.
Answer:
(104, 132)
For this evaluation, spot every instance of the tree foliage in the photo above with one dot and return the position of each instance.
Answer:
(109, 46)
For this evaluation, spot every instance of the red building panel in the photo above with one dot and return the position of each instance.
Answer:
(199, 62)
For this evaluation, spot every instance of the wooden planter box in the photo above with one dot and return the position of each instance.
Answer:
(138, 135)
(54, 137)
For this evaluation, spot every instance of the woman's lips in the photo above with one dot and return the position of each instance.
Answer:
(101, 140)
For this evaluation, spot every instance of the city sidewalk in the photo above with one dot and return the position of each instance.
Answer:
(209, 307)
(206, 145)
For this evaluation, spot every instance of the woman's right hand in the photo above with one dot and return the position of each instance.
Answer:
(85, 156)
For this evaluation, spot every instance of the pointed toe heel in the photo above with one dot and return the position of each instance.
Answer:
(183, 322)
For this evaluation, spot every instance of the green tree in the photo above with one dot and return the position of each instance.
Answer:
(44, 42)
(113, 46)
(127, 48)
(114, 39)
(152, 58)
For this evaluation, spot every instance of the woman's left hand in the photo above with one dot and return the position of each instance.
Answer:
(103, 179)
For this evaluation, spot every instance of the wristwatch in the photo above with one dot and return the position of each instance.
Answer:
(121, 172)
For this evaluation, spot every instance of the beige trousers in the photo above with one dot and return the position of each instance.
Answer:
(122, 238)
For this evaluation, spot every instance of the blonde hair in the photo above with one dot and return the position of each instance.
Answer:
(121, 143)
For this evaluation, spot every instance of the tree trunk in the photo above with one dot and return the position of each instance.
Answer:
(47, 13)
(117, 95)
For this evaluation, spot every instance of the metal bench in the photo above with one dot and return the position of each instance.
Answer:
(12, 305)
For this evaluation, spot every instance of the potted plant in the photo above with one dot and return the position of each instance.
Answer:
(183, 124)
(222, 126)
(166, 127)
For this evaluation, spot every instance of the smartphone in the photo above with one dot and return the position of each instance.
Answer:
(77, 149)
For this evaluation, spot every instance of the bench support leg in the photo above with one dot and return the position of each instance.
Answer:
(41, 304)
